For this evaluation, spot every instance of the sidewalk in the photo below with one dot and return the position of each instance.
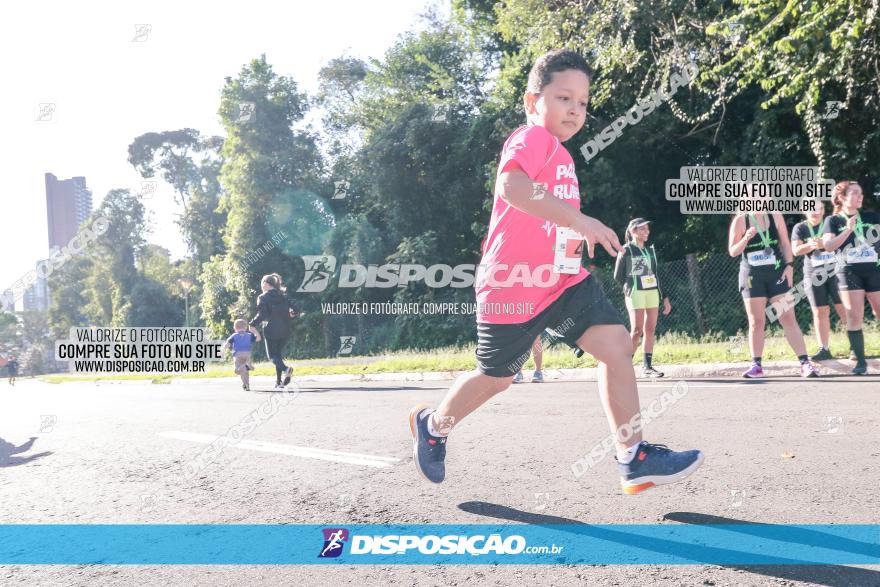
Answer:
(691, 371)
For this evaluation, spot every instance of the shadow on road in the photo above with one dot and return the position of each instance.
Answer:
(7, 449)
(834, 575)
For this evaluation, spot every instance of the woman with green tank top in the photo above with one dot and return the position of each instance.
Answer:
(636, 271)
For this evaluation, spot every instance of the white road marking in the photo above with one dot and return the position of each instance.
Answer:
(289, 449)
(693, 386)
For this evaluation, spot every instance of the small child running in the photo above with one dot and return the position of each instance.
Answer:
(241, 343)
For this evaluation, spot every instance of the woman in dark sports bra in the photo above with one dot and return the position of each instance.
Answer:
(855, 235)
(766, 273)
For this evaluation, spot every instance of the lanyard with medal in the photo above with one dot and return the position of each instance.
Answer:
(765, 237)
(859, 231)
(819, 257)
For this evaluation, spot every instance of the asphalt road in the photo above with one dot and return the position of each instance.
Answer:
(780, 451)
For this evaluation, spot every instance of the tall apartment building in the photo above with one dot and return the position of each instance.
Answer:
(68, 204)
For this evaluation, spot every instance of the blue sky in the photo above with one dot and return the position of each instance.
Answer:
(109, 88)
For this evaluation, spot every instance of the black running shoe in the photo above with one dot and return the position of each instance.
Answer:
(287, 374)
(651, 372)
(822, 355)
(657, 464)
(429, 451)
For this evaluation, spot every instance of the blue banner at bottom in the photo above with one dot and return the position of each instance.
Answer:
(654, 544)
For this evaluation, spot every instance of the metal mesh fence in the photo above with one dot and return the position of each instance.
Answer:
(703, 291)
(705, 298)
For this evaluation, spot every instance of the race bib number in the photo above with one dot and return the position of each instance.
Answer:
(648, 281)
(568, 251)
(823, 258)
(760, 258)
(861, 254)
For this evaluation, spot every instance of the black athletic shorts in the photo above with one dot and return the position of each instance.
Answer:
(866, 280)
(502, 349)
(821, 294)
(761, 283)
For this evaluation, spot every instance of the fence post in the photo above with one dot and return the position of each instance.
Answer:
(696, 291)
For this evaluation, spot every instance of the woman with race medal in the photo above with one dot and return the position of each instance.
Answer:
(636, 271)
(855, 236)
(766, 273)
(820, 283)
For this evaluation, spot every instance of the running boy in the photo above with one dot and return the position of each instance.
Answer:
(536, 210)
(241, 343)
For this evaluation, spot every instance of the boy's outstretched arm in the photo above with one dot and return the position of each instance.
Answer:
(518, 190)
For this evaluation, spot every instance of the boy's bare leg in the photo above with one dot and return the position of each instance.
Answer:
(611, 345)
(469, 392)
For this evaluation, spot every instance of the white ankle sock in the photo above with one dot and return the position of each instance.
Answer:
(626, 455)
(431, 430)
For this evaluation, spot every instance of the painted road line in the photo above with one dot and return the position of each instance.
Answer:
(291, 450)
(692, 386)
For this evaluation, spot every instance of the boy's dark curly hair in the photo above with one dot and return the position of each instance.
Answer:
(551, 62)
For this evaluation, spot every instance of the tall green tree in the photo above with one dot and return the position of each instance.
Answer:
(190, 163)
(271, 176)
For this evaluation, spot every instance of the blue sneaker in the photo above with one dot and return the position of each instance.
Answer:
(428, 451)
(656, 464)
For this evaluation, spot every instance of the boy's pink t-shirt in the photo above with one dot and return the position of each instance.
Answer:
(516, 237)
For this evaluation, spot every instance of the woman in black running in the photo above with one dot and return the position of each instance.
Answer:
(766, 273)
(855, 235)
(12, 370)
(274, 308)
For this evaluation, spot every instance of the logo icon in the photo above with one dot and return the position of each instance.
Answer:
(541, 500)
(148, 188)
(334, 540)
(319, 268)
(832, 110)
(736, 497)
(47, 423)
(539, 190)
(44, 111)
(736, 344)
(245, 111)
(141, 32)
(346, 345)
(833, 424)
(735, 33)
(340, 189)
